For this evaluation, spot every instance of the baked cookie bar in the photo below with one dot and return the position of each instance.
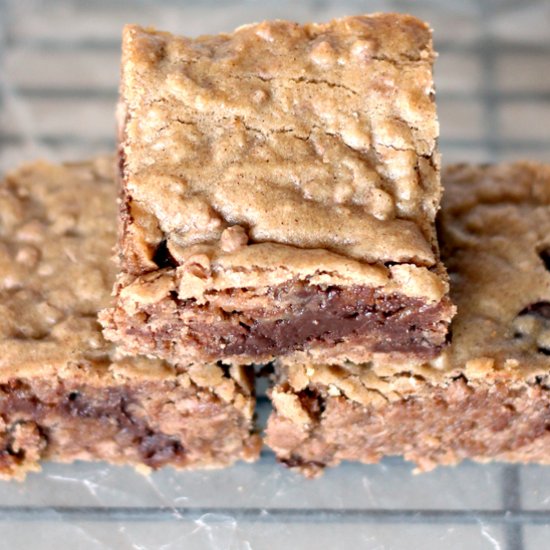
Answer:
(279, 186)
(64, 392)
(488, 398)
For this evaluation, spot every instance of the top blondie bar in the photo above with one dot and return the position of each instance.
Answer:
(279, 187)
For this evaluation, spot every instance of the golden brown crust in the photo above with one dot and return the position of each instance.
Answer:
(494, 227)
(314, 136)
(57, 232)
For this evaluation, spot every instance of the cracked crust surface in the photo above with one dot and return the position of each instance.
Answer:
(487, 397)
(276, 153)
(318, 136)
(65, 393)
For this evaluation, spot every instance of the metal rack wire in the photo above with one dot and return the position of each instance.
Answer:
(57, 91)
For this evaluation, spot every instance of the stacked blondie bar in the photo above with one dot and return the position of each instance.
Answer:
(278, 191)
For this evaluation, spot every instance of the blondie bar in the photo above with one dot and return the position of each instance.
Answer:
(486, 399)
(64, 392)
(279, 187)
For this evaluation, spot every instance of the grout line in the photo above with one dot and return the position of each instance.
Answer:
(68, 92)
(511, 502)
(319, 5)
(270, 515)
(3, 30)
(111, 93)
(59, 140)
(492, 96)
(488, 56)
(494, 47)
(511, 493)
(3, 33)
(487, 59)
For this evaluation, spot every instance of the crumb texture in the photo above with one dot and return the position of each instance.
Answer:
(434, 424)
(487, 396)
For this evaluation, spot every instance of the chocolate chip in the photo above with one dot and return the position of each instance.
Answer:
(298, 462)
(162, 256)
(331, 316)
(73, 396)
(121, 162)
(158, 449)
(545, 257)
(226, 369)
(312, 402)
(544, 351)
(538, 309)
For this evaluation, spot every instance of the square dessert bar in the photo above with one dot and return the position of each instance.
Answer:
(279, 186)
(488, 398)
(64, 392)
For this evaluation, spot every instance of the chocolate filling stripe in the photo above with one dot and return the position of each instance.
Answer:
(302, 316)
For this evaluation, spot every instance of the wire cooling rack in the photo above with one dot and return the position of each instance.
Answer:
(58, 79)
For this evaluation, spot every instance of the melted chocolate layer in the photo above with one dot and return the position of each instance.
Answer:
(312, 316)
